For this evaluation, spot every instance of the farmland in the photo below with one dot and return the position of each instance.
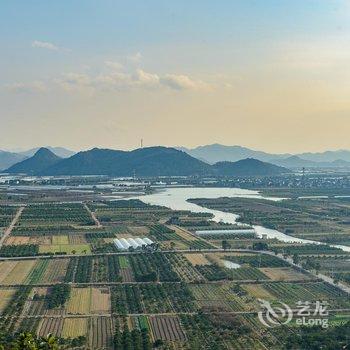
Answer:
(318, 219)
(7, 213)
(61, 273)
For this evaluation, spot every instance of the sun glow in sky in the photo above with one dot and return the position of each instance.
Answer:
(270, 75)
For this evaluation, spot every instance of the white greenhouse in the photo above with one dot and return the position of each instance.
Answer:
(136, 243)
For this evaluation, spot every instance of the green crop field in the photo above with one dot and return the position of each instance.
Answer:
(66, 276)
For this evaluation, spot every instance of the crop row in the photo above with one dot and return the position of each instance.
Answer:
(6, 214)
(152, 267)
(56, 213)
(151, 298)
(163, 233)
(215, 272)
(85, 269)
(131, 340)
(19, 250)
(258, 260)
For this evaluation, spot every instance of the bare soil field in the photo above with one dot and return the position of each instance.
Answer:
(65, 248)
(55, 271)
(5, 297)
(183, 233)
(101, 333)
(79, 301)
(60, 240)
(17, 240)
(177, 244)
(197, 259)
(167, 328)
(40, 240)
(258, 291)
(35, 307)
(139, 230)
(50, 325)
(123, 235)
(20, 272)
(77, 239)
(284, 273)
(100, 300)
(74, 327)
(55, 312)
(127, 274)
(5, 268)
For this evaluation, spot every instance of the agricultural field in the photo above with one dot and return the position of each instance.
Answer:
(101, 333)
(75, 327)
(65, 249)
(7, 213)
(79, 301)
(19, 272)
(5, 297)
(100, 300)
(51, 325)
(55, 271)
(310, 291)
(55, 214)
(284, 274)
(197, 259)
(167, 328)
(321, 219)
(60, 273)
(220, 297)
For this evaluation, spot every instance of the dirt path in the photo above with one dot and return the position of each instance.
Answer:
(93, 216)
(8, 231)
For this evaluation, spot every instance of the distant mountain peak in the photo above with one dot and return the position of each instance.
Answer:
(248, 167)
(44, 151)
(58, 151)
(42, 158)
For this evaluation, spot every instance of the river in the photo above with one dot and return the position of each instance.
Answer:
(177, 199)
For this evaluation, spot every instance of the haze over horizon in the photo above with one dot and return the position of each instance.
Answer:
(266, 75)
(24, 149)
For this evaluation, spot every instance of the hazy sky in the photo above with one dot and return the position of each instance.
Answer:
(270, 75)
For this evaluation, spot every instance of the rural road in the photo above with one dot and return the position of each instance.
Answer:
(8, 231)
(106, 284)
(66, 315)
(93, 216)
(193, 251)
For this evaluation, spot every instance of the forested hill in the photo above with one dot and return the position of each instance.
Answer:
(42, 159)
(151, 161)
(248, 167)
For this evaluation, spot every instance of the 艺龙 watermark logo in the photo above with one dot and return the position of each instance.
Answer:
(272, 316)
(305, 313)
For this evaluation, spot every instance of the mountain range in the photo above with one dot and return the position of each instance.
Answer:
(151, 161)
(217, 153)
(216, 158)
